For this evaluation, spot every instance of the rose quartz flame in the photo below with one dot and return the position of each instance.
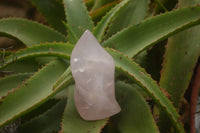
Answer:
(93, 71)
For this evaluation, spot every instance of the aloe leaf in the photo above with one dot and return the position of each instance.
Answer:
(99, 3)
(10, 82)
(63, 82)
(138, 74)
(152, 60)
(168, 4)
(185, 3)
(89, 4)
(46, 122)
(73, 123)
(100, 29)
(183, 49)
(133, 71)
(4, 53)
(47, 49)
(19, 67)
(134, 39)
(38, 111)
(132, 13)
(78, 18)
(73, 37)
(182, 53)
(63, 78)
(135, 115)
(181, 57)
(35, 91)
(100, 12)
(53, 11)
(29, 32)
(161, 5)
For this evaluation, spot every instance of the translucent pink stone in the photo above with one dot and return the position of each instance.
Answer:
(93, 71)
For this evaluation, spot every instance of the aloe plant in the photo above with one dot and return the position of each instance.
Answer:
(38, 93)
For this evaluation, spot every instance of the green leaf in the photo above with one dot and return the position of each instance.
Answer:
(100, 29)
(138, 74)
(4, 53)
(136, 38)
(44, 59)
(35, 91)
(151, 59)
(100, 12)
(73, 37)
(38, 111)
(29, 32)
(185, 3)
(181, 57)
(77, 17)
(135, 10)
(63, 78)
(48, 49)
(73, 123)
(99, 3)
(182, 53)
(135, 115)
(10, 82)
(161, 5)
(53, 11)
(19, 67)
(89, 3)
(46, 122)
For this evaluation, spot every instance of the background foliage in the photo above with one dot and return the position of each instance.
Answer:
(156, 48)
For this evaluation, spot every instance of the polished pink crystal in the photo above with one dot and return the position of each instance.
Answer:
(93, 71)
